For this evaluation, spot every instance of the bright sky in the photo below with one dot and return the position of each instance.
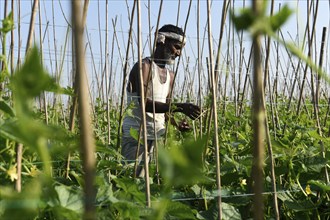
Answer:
(56, 13)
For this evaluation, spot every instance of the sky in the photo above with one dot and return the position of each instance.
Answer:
(54, 21)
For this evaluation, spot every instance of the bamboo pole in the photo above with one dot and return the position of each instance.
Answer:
(73, 107)
(246, 82)
(153, 101)
(106, 69)
(56, 72)
(19, 155)
(19, 147)
(225, 7)
(12, 41)
(217, 66)
(102, 97)
(318, 83)
(143, 111)
(19, 33)
(177, 67)
(316, 108)
(86, 135)
(123, 89)
(227, 70)
(111, 77)
(4, 39)
(310, 40)
(269, 143)
(316, 94)
(43, 95)
(215, 112)
(178, 13)
(150, 27)
(199, 68)
(233, 65)
(274, 90)
(240, 71)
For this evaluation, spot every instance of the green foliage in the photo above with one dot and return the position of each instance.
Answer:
(261, 23)
(182, 163)
(7, 23)
(6, 108)
(31, 79)
(67, 204)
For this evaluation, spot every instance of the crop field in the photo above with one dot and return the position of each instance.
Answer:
(259, 70)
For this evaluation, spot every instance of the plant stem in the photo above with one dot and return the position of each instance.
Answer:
(258, 121)
(19, 155)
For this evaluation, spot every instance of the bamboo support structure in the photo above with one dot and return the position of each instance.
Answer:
(19, 146)
(269, 143)
(143, 111)
(12, 41)
(215, 112)
(106, 73)
(86, 136)
(316, 104)
(125, 75)
(310, 40)
(153, 101)
(177, 65)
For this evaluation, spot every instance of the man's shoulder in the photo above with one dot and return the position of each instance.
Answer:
(146, 60)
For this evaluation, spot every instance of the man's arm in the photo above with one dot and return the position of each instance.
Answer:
(189, 109)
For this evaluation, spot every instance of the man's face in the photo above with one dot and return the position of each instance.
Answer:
(172, 50)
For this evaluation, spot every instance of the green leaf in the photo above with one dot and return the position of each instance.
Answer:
(68, 198)
(182, 164)
(277, 20)
(228, 212)
(31, 79)
(245, 20)
(298, 205)
(6, 108)
(130, 190)
(127, 210)
(23, 205)
(9, 130)
(320, 185)
(135, 134)
(177, 210)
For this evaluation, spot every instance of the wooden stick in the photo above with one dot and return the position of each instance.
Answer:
(269, 143)
(143, 111)
(123, 89)
(215, 112)
(86, 133)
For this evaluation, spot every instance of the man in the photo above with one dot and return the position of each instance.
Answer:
(158, 83)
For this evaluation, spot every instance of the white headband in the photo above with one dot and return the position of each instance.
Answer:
(162, 35)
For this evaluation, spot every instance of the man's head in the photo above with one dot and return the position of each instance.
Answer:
(171, 38)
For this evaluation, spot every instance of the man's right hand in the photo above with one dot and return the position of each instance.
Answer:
(191, 110)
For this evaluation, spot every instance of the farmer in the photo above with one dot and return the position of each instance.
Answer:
(158, 86)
